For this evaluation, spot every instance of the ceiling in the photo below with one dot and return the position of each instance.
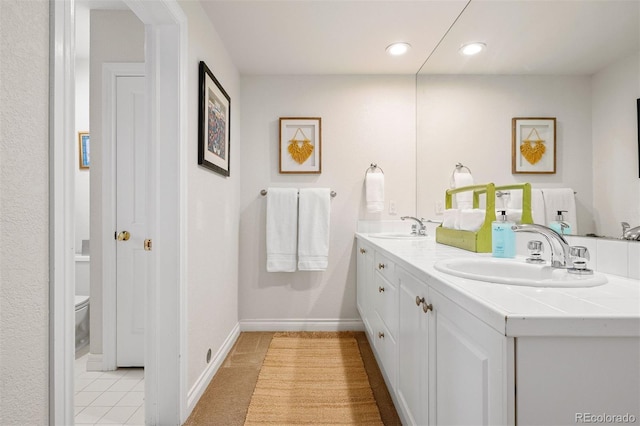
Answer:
(350, 37)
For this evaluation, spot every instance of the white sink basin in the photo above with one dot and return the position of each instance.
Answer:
(398, 236)
(516, 272)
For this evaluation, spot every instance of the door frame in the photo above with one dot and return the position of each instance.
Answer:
(166, 60)
(110, 72)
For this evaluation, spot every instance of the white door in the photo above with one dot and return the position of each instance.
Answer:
(131, 221)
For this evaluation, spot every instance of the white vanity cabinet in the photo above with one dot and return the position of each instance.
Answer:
(451, 366)
(441, 364)
(364, 280)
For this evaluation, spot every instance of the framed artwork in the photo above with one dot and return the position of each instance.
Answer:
(214, 119)
(300, 145)
(85, 152)
(534, 145)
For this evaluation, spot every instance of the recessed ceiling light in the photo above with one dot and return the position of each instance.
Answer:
(474, 48)
(397, 49)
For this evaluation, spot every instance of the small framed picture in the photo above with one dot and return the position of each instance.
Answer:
(83, 143)
(534, 145)
(300, 145)
(214, 120)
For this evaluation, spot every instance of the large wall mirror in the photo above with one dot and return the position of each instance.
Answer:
(577, 61)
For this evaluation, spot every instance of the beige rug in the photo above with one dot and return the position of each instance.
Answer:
(313, 378)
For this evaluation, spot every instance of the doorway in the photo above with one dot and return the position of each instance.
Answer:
(165, 394)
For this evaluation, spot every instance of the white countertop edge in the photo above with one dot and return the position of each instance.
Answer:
(548, 321)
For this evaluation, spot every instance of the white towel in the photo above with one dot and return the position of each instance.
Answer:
(471, 219)
(374, 183)
(451, 218)
(537, 205)
(282, 227)
(313, 229)
(560, 199)
(464, 200)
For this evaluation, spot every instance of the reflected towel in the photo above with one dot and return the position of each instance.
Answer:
(537, 205)
(282, 227)
(560, 199)
(374, 183)
(471, 219)
(464, 200)
(313, 229)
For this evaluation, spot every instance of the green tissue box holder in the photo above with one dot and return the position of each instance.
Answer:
(480, 240)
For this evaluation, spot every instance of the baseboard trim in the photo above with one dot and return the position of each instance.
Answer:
(95, 362)
(302, 325)
(196, 392)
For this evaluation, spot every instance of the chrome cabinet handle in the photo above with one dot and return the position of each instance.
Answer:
(419, 300)
(426, 308)
(380, 335)
(380, 289)
(381, 265)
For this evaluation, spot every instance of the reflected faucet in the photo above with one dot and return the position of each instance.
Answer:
(561, 252)
(629, 233)
(414, 228)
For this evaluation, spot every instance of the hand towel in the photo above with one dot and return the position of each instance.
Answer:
(471, 219)
(374, 183)
(450, 218)
(464, 200)
(560, 199)
(537, 205)
(282, 227)
(313, 229)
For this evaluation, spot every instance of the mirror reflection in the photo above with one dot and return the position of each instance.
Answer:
(577, 62)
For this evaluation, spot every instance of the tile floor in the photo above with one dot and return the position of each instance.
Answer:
(110, 397)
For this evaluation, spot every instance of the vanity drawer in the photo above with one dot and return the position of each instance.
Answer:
(386, 302)
(386, 350)
(385, 267)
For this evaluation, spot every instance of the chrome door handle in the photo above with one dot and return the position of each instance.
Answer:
(123, 236)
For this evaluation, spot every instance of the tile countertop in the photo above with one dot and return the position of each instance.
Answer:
(612, 309)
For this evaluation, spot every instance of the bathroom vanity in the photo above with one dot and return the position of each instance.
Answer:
(460, 351)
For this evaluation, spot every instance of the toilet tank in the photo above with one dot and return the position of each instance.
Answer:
(82, 275)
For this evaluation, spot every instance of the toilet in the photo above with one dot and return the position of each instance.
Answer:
(82, 301)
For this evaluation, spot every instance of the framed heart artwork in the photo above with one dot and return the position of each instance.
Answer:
(533, 145)
(300, 145)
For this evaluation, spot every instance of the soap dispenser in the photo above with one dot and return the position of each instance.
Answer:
(503, 239)
(559, 225)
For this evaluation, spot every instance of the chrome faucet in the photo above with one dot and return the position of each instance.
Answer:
(562, 253)
(414, 228)
(629, 233)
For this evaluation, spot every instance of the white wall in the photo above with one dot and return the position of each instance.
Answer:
(116, 36)
(467, 119)
(82, 180)
(365, 119)
(212, 208)
(24, 212)
(81, 199)
(616, 183)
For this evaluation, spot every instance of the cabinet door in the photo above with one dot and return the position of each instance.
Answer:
(413, 352)
(467, 367)
(364, 283)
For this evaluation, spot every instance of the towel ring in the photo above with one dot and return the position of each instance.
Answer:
(458, 169)
(373, 167)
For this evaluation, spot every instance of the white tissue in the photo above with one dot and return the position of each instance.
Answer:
(464, 200)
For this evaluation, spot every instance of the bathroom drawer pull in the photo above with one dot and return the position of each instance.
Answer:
(363, 251)
(419, 300)
(380, 335)
(381, 265)
(380, 289)
(426, 308)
